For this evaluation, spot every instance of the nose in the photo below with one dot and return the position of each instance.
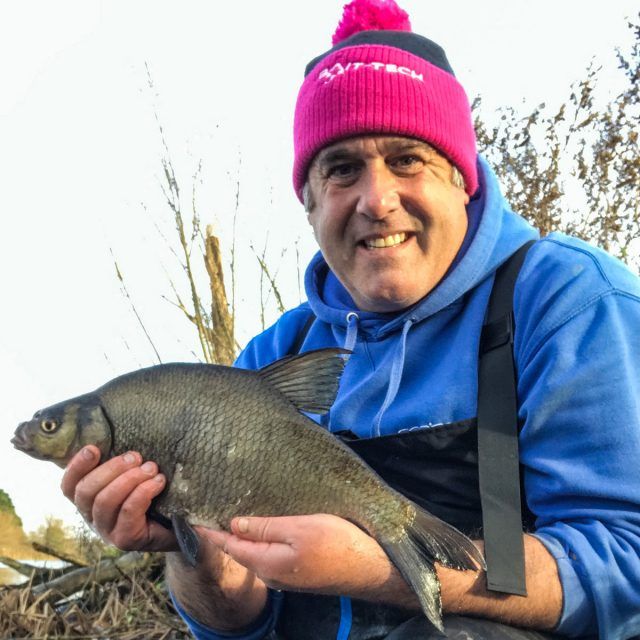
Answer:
(378, 195)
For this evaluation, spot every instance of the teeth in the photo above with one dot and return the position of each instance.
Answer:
(388, 241)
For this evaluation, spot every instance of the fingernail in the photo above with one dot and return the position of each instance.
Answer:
(87, 453)
(148, 467)
(159, 478)
(129, 458)
(243, 525)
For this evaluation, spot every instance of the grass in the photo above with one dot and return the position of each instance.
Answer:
(135, 607)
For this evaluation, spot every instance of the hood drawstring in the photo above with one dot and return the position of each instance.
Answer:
(352, 331)
(349, 344)
(394, 378)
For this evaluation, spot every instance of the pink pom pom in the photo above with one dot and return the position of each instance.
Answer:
(365, 15)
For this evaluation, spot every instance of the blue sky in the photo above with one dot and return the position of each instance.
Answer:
(80, 160)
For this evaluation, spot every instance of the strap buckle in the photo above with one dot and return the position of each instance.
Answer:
(497, 333)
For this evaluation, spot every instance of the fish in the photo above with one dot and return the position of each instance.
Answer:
(234, 441)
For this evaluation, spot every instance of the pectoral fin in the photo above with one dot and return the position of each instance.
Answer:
(188, 540)
(152, 514)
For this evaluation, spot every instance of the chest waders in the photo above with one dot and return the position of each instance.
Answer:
(466, 473)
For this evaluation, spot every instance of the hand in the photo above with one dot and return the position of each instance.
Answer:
(319, 553)
(114, 497)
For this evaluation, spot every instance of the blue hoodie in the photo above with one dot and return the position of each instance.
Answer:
(577, 353)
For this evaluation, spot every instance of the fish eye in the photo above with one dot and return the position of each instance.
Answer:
(48, 425)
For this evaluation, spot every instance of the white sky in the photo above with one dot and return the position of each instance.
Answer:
(80, 155)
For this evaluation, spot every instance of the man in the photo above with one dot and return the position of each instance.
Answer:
(412, 229)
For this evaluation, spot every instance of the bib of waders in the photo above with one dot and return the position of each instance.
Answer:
(466, 473)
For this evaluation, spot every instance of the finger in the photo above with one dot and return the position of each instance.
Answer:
(132, 529)
(259, 557)
(214, 536)
(78, 467)
(227, 542)
(265, 559)
(109, 501)
(91, 484)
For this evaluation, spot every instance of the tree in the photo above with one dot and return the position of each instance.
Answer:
(55, 535)
(6, 507)
(576, 169)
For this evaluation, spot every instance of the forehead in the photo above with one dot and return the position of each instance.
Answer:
(368, 146)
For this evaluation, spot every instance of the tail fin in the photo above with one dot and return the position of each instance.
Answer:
(443, 543)
(428, 539)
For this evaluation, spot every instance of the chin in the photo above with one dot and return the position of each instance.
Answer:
(388, 304)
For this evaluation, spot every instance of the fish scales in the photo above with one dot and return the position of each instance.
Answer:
(214, 426)
(235, 442)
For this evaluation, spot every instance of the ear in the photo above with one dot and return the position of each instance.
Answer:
(311, 219)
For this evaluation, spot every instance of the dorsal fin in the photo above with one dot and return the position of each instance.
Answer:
(309, 380)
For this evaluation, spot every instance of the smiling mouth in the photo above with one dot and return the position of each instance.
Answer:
(387, 241)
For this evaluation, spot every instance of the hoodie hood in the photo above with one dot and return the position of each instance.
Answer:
(495, 232)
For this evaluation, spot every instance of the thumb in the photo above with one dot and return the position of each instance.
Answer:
(268, 529)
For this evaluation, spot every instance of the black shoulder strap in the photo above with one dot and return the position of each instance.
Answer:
(498, 459)
(302, 334)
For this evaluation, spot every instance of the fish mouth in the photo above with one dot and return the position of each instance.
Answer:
(19, 441)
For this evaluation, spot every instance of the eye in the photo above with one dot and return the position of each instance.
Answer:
(407, 162)
(48, 425)
(342, 171)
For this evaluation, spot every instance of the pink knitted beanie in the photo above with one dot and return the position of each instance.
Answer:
(379, 77)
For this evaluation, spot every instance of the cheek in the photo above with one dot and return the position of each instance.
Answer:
(327, 229)
(55, 446)
(459, 227)
(450, 221)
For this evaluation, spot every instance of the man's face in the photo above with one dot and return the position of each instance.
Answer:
(387, 218)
